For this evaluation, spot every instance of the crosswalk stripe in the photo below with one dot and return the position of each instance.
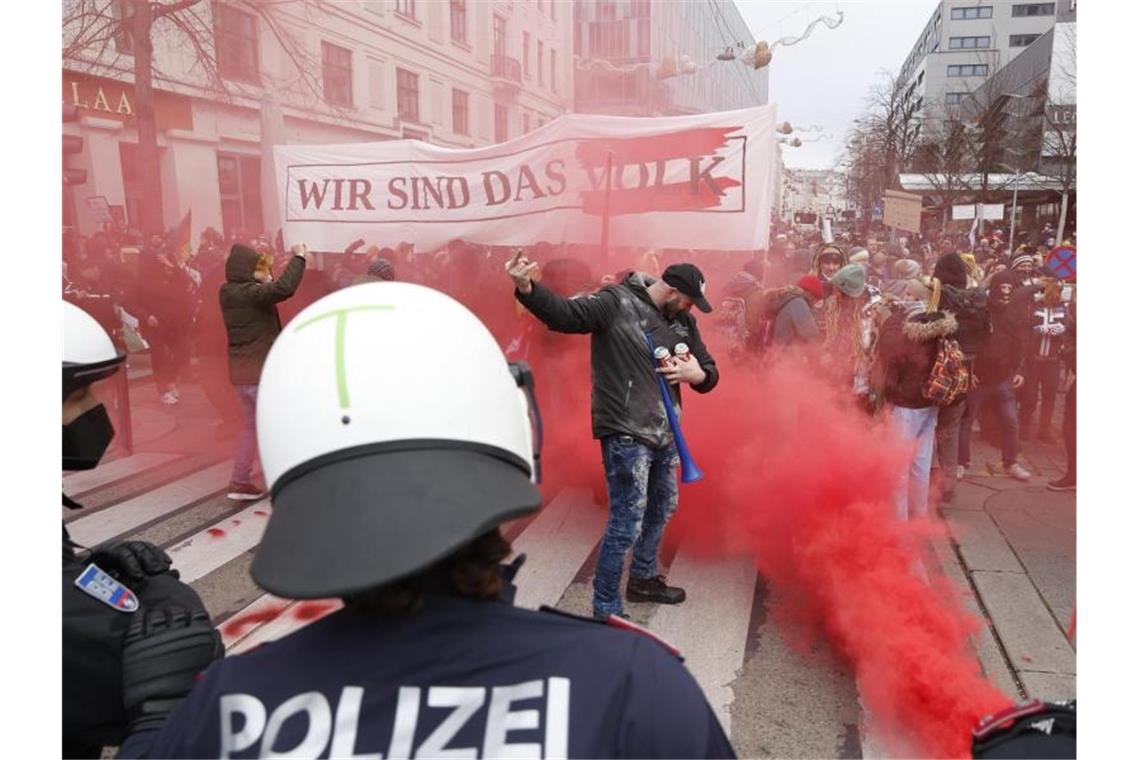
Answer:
(251, 617)
(213, 547)
(86, 480)
(563, 535)
(292, 618)
(711, 626)
(149, 506)
(557, 542)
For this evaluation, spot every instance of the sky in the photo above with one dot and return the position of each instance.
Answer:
(823, 80)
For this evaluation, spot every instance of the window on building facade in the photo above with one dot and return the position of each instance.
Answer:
(554, 70)
(969, 43)
(406, 8)
(1021, 40)
(407, 95)
(459, 20)
(1034, 9)
(968, 70)
(336, 70)
(235, 35)
(977, 11)
(526, 54)
(954, 98)
(239, 188)
(459, 124)
(644, 31)
(538, 62)
(499, 35)
(500, 122)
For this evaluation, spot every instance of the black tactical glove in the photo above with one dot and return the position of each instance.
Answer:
(164, 651)
(132, 560)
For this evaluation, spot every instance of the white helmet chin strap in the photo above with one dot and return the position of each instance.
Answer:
(524, 378)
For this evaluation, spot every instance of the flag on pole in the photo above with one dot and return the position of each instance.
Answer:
(974, 226)
(182, 239)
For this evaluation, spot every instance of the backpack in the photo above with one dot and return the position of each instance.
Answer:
(949, 376)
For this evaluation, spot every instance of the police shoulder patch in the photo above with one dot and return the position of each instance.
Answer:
(100, 585)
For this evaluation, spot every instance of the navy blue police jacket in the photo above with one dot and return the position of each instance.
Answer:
(457, 678)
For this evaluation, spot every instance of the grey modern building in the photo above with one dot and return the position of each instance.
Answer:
(637, 58)
(965, 42)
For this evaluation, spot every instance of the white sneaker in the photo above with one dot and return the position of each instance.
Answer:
(1015, 470)
(169, 398)
(961, 471)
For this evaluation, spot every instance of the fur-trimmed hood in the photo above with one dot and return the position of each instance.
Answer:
(926, 327)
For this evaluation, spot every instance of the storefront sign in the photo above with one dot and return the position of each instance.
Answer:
(112, 99)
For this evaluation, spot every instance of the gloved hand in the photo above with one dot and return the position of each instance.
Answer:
(164, 650)
(1056, 328)
(1040, 329)
(132, 560)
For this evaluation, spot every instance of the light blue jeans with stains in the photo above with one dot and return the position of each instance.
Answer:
(642, 487)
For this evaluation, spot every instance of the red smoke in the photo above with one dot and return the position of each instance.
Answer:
(799, 478)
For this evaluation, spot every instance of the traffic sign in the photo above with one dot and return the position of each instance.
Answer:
(1062, 262)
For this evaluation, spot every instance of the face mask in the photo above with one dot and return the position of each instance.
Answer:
(86, 439)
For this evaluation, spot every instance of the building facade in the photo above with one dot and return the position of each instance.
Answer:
(456, 73)
(819, 191)
(632, 55)
(965, 42)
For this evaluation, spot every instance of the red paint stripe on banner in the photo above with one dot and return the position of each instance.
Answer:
(688, 142)
(675, 196)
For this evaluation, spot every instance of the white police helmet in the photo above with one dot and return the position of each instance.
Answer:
(391, 431)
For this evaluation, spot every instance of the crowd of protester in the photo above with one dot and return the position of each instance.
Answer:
(842, 304)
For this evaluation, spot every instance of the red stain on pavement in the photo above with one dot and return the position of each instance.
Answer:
(235, 522)
(238, 625)
(216, 532)
(313, 610)
(260, 513)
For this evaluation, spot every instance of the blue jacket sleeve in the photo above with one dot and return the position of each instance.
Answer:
(667, 715)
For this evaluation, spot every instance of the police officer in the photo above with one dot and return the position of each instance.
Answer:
(396, 439)
(118, 593)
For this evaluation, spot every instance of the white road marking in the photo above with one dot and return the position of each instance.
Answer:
(711, 626)
(86, 480)
(556, 543)
(132, 513)
(209, 549)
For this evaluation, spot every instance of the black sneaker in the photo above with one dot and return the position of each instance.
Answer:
(1063, 483)
(653, 590)
(244, 492)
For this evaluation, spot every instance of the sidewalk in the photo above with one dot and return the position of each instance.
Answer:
(1013, 555)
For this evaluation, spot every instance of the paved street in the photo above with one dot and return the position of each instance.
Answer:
(1012, 557)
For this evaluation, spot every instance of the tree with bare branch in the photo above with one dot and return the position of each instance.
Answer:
(117, 37)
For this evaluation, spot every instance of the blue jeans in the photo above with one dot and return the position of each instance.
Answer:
(642, 487)
(1002, 393)
(247, 439)
(916, 426)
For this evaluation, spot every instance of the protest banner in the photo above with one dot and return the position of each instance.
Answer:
(702, 181)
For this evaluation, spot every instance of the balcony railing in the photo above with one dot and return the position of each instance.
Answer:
(506, 70)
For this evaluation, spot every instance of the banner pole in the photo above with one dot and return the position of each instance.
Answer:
(606, 209)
